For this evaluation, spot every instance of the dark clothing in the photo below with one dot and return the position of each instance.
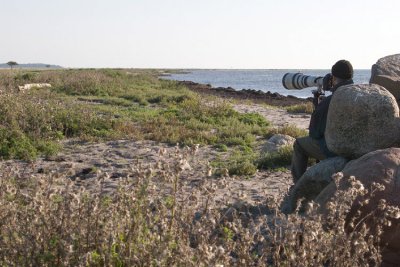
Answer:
(303, 148)
(313, 145)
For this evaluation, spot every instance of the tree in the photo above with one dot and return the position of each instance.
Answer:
(12, 63)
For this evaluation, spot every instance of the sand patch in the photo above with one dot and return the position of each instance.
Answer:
(278, 117)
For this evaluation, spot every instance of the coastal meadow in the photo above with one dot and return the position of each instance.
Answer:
(108, 104)
(49, 219)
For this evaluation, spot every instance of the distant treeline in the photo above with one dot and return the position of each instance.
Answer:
(31, 66)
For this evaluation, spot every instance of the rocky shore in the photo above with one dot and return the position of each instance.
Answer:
(274, 99)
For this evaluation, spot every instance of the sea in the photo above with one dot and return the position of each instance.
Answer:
(264, 80)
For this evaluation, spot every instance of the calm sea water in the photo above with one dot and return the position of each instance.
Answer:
(264, 80)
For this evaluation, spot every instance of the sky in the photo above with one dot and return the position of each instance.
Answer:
(229, 34)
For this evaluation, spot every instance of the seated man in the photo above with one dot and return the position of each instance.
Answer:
(314, 145)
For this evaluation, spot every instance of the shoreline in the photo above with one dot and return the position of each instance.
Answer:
(258, 96)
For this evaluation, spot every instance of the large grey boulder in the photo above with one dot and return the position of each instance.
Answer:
(362, 118)
(313, 181)
(386, 73)
(383, 167)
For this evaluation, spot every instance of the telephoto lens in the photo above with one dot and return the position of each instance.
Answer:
(298, 81)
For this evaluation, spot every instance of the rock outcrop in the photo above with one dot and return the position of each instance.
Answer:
(313, 181)
(386, 73)
(268, 97)
(362, 118)
(383, 167)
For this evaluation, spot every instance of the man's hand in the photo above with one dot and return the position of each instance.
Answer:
(317, 97)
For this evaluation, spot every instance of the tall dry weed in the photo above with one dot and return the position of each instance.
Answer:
(50, 220)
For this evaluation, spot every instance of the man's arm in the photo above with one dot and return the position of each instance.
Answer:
(318, 119)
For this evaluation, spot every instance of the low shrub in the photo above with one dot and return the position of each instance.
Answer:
(253, 119)
(136, 98)
(32, 123)
(243, 167)
(15, 144)
(26, 77)
(276, 159)
(221, 147)
(301, 108)
(290, 130)
(239, 161)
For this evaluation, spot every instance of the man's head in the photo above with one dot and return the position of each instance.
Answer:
(342, 70)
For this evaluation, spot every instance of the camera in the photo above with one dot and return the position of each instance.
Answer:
(298, 81)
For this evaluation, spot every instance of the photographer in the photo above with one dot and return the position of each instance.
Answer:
(314, 145)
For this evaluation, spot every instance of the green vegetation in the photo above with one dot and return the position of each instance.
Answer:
(277, 159)
(240, 161)
(113, 104)
(290, 130)
(301, 108)
(109, 104)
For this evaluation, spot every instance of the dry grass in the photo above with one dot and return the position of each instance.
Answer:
(50, 221)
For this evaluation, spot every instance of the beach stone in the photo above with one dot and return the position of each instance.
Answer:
(313, 181)
(383, 167)
(386, 73)
(278, 141)
(362, 118)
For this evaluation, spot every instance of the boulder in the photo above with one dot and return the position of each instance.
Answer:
(362, 118)
(383, 167)
(278, 141)
(386, 73)
(313, 181)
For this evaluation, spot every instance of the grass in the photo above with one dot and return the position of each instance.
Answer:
(239, 161)
(109, 104)
(301, 108)
(277, 159)
(290, 130)
(47, 220)
(113, 104)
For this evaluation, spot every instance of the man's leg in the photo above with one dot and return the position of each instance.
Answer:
(303, 148)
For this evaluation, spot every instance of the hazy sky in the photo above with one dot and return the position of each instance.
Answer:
(199, 33)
